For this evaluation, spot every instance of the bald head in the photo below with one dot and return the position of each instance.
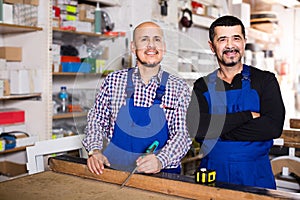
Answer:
(147, 26)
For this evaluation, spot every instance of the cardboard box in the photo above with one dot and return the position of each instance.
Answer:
(25, 14)
(13, 1)
(31, 2)
(8, 13)
(4, 87)
(56, 22)
(11, 169)
(11, 116)
(19, 81)
(86, 12)
(11, 53)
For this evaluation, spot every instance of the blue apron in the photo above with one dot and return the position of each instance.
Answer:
(237, 162)
(136, 128)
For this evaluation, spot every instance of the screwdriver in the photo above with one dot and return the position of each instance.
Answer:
(149, 150)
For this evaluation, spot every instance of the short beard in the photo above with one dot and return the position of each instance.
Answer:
(231, 63)
(150, 65)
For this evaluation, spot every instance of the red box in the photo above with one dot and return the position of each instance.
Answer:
(69, 59)
(11, 116)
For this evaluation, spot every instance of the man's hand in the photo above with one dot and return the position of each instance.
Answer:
(148, 164)
(255, 115)
(96, 162)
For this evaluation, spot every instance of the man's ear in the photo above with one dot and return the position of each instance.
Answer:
(165, 48)
(133, 47)
(211, 46)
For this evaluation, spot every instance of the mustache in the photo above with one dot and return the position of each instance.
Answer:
(231, 50)
(151, 65)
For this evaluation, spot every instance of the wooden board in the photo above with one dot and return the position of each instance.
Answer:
(295, 123)
(291, 138)
(57, 186)
(170, 184)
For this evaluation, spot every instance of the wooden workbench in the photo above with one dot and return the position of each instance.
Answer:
(70, 179)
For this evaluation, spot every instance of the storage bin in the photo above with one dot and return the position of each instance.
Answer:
(76, 67)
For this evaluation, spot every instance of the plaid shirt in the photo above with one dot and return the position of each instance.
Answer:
(112, 95)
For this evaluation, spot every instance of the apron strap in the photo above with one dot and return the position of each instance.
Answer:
(160, 91)
(130, 86)
(246, 72)
(246, 86)
(217, 99)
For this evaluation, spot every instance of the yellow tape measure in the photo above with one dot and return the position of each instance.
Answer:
(205, 176)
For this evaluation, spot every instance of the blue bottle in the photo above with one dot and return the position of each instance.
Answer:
(63, 96)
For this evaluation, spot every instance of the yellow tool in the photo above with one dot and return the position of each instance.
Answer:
(205, 176)
(149, 150)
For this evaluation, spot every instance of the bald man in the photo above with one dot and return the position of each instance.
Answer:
(138, 107)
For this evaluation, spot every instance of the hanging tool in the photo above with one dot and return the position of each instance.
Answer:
(149, 150)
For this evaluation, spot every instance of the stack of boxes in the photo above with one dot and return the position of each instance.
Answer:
(20, 12)
(69, 15)
(14, 77)
(82, 64)
(9, 56)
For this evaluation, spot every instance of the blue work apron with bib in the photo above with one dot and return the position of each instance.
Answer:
(237, 162)
(136, 128)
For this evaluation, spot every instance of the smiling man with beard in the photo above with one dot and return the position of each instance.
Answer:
(241, 111)
(136, 107)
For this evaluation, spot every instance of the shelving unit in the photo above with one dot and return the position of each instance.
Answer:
(6, 29)
(78, 84)
(34, 41)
